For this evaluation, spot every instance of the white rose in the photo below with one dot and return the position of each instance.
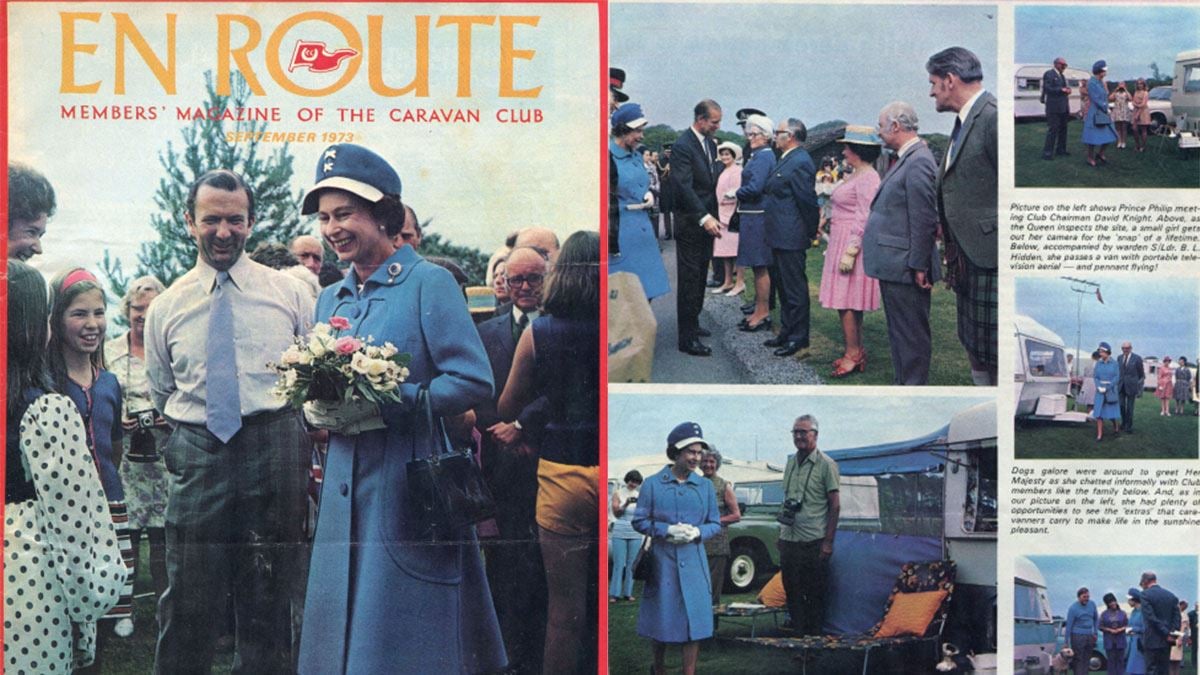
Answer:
(291, 356)
(305, 358)
(359, 363)
(318, 345)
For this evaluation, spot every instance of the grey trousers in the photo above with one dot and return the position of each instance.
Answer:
(906, 308)
(234, 522)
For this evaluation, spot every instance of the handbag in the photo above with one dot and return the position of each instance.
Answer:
(735, 222)
(1102, 118)
(446, 489)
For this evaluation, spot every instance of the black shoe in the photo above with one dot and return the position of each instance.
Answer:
(703, 332)
(788, 348)
(748, 308)
(777, 341)
(713, 283)
(743, 324)
(764, 324)
(695, 347)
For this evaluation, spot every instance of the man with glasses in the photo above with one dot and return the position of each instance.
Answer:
(808, 523)
(792, 219)
(510, 469)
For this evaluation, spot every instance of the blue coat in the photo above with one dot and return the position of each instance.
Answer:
(791, 203)
(1093, 133)
(378, 599)
(639, 241)
(1107, 375)
(677, 603)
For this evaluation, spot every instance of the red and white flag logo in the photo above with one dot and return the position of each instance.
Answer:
(317, 58)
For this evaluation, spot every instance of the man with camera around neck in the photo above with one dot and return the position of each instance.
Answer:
(808, 523)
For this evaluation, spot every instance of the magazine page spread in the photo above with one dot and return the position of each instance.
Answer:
(289, 407)
(913, 288)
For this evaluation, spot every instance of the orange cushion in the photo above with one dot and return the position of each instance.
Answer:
(772, 594)
(911, 613)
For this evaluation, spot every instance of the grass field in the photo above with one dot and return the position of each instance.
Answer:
(949, 368)
(1154, 437)
(1160, 166)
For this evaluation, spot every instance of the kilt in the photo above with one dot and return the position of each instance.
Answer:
(978, 321)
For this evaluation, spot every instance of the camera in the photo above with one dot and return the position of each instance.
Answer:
(632, 500)
(787, 512)
(142, 446)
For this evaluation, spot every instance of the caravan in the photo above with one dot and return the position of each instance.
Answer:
(1027, 88)
(1185, 98)
(1042, 379)
(1035, 629)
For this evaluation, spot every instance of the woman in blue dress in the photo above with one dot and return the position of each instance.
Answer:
(753, 251)
(678, 508)
(638, 241)
(1136, 663)
(1107, 375)
(381, 597)
(1097, 123)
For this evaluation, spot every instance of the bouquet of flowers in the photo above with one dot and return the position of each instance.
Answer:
(324, 367)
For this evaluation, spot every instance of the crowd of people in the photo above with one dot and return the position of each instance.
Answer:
(171, 431)
(1109, 114)
(1110, 386)
(1149, 640)
(895, 226)
(684, 509)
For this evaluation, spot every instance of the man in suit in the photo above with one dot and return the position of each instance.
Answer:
(792, 217)
(899, 246)
(967, 184)
(510, 469)
(696, 221)
(1160, 614)
(1056, 94)
(1133, 380)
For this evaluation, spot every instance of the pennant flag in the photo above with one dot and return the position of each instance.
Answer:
(317, 58)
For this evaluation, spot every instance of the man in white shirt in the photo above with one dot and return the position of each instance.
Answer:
(237, 456)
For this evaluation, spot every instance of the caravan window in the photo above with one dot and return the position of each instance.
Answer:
(1029, 84)
(980, 509)
(911, 503)
(1045, 360)
(1030, 603)
(1191, 78)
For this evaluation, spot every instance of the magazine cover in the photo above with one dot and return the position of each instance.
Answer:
(317, 385)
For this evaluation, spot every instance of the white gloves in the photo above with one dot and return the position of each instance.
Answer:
(682, 533)
(732, 194)
(648, 200)
(344, 418)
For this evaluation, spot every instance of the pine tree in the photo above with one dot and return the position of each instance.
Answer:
(205, 147)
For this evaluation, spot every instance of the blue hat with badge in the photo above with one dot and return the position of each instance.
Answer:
(685, 434)
(629, 115)
(1105, 347)
(356, 170)
(1099, 66)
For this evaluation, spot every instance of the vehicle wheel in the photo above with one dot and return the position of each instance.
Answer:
(1158, 124)
(743, 570)
(1098, 663)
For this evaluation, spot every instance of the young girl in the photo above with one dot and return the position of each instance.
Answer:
(61, 562)
(77, 325)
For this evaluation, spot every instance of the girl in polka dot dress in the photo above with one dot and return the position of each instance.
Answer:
(77, 327)
(62, 566)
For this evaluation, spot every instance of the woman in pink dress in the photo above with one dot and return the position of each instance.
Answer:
(725, 247)
(844, 285)
(1166, 386)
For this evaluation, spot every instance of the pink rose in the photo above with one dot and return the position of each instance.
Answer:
(347, 345)
(339, 323)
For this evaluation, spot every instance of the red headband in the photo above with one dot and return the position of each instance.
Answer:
(77, 276)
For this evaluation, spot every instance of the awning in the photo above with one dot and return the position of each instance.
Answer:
(915, 455)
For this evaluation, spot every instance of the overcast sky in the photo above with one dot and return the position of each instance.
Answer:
(1114, 574)
(756, 423)
(815, 62)
(1129, 38)
(476, 181)
(1158, 315)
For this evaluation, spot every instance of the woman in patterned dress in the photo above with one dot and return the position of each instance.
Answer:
(1165, 387)
(143, 474)
(62, 566)
(1122, 112)
(845, 286)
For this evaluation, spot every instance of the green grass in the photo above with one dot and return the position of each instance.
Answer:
(826, 342)
(1160, 166)
(1154, 437)
(135, 655)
